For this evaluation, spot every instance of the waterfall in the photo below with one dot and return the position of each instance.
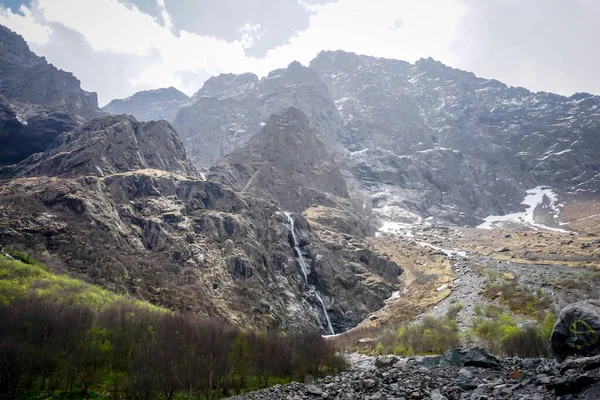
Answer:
(304, 269)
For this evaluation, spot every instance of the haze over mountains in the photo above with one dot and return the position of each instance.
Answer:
(193, 215)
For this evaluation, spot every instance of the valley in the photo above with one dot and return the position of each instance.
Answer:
(356, 205)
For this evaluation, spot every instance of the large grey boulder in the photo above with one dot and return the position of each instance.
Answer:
(577, 330)
(473, 357)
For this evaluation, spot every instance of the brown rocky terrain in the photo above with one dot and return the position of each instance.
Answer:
(118, 203)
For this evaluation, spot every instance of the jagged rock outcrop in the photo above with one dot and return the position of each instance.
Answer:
(38, 102)
(26, 129)
(285, 161)
(117, 202)
(229, 109)
(577, 330)
(27, 78)
(150, 105)
(107, 146)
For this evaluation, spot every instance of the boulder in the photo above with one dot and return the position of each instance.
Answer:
(473, 357)
(584, 363)
(577, 331)
(386, 361)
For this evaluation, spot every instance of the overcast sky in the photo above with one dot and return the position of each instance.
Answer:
(119, 47)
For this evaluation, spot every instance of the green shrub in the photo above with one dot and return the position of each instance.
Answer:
(504, 336)
(518, 299)
(492, 311)
(432, 336)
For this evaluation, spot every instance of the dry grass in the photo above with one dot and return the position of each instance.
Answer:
(424, 273)
(583, 214)
(533, 247)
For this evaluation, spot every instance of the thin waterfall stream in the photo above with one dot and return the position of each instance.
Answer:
(304, 269)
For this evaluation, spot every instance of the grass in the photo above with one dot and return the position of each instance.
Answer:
(584, 285)
(424, 272)
(503, 335)
(532, 247)
(432, 336)
(22, 276)
(519, 299)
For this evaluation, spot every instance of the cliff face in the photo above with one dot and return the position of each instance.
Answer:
(39, 101)
(229, 109)
(116, 201)
(445, 143)
(287, 162)
(421, 140)
(106, 146)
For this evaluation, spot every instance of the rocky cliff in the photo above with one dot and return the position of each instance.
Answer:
(150, 105)
(446, 143)
(421, 140)
(38, 102)
(287, 162)
(229, 109)
(117, 202)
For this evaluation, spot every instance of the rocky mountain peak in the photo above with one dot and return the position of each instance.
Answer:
(106, 146)
(14, 48)
(26, 77)
(243, 103)
(286, 161)
(227, 85)
(150, 105)
(39, 101)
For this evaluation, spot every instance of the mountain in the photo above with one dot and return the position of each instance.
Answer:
(456, 143)
(108, 146)
(38, 102)
(229, 109)
(150, 105)
(286, 161)
(420, 140)
(118, 203)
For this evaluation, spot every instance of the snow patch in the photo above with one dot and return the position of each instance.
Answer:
(532, 200)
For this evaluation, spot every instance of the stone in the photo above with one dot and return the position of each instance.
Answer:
(369, 383)
(386, 361)
(577, 331)
(572, 384)
(474, 357)
(583, 363)
(437, 395)
(315, 391)
(465, 373)
(543, 379)
(516, 375)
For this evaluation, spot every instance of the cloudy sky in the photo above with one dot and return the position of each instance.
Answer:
(118, 47)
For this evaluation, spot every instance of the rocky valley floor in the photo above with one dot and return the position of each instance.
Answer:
(461, 374)
(476, 268)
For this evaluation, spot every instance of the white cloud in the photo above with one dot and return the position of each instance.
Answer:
(250, 34)
(25, 24)
(428, 28)
(167, 22)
